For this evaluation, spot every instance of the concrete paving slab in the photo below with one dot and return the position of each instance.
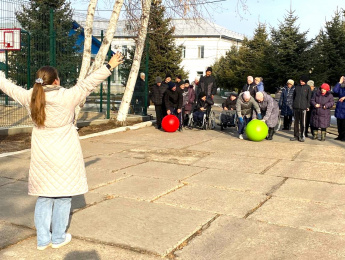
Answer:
(317, 171)
(235, 163)
(161, 170)
(328, 218)
(85, 200)
(234, 203)
(113, 163)
(155, 228)
(97, 177)
(76, 250)
(322, 154)
(246, 148)
(142, 188)
(92, 148)
(235, 180)
(177, 156)
(4, 181)
(312, 191)
(10, 234)
(14, 167)
(230, 238)
(16, 206)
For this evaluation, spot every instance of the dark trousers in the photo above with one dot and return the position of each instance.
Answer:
(307, 123)
(287, 122)
(341, 128)
(299, 124)
(159, 115)
(242, 126)
(198, 116)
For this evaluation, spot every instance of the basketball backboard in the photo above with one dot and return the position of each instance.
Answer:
(9, 39)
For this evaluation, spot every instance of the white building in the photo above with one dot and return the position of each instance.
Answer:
(203, 42)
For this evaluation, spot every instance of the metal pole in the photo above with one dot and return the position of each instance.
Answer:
(146, 76)
(51, 37)
(101, 91)
(6, 73)
(28, 80)
(108, 91)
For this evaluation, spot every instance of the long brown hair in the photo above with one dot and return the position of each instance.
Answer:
(38, 99)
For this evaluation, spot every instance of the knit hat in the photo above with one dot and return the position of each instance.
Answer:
(168, 76)
(209, 69)
(290, 81)
(325, 86)
(202, 94)
(179, 77)
(158, 79)
(304, 78)
(186, 81)
(310, 83)
(171, 85)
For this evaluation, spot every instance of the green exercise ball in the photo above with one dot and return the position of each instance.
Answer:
(256, 130)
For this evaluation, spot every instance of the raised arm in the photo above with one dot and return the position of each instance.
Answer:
(84, 87)
(19, 94)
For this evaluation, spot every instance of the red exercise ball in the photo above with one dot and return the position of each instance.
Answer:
(170, 123)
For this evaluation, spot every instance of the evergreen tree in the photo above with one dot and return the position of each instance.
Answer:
(329, 51)
(288, 54)
(164, 56)
(35, 18)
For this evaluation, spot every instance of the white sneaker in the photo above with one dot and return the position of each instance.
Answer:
(241, 137)
(43, 247)
(67, 240)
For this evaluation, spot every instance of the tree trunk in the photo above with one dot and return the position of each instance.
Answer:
(102, 53)
(132, 78)
(87, 49)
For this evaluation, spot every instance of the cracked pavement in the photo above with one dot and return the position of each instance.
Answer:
(193, 194)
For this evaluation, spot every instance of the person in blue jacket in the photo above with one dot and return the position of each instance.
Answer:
(339, 90)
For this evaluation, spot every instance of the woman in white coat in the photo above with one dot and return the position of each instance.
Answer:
(57, 169)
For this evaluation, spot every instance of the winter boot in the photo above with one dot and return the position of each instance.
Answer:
(270, 133)
(315, 134)
(323, 136)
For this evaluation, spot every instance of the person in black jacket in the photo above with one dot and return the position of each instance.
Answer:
(202, 106)
(156, 95)
(208, 85)
(173, 100)
(311, 84)
(227, 116)
(250, 86)
(301, 104)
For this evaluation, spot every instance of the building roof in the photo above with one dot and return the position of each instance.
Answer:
(184, 28)
(202, 28)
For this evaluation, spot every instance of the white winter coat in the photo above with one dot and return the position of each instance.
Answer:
(57, 166)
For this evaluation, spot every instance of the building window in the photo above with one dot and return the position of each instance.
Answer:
(199, 73)
(129, 27)
(183, 52)
(124, 51)
(201, 52)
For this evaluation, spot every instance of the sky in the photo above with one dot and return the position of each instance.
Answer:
(312, 14)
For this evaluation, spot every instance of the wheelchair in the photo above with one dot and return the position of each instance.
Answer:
(228, 118)
(208, 121)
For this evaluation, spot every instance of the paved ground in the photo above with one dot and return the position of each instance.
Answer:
(190, 195)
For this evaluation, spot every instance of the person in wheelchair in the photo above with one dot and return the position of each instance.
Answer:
(173, 100)
(227, 116)
(203, 107)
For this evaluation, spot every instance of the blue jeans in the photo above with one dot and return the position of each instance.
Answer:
(52, 212)
(242, 126)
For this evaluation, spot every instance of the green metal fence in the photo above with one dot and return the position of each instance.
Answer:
(44, 39)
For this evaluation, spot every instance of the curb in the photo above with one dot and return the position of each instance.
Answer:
(107, 132)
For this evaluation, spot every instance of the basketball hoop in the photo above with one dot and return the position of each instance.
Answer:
(10, 39)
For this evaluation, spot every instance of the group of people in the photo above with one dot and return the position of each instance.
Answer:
(181, 98)
(309, 106)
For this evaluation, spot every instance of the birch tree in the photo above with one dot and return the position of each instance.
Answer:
(86, 69)
(132, 78)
